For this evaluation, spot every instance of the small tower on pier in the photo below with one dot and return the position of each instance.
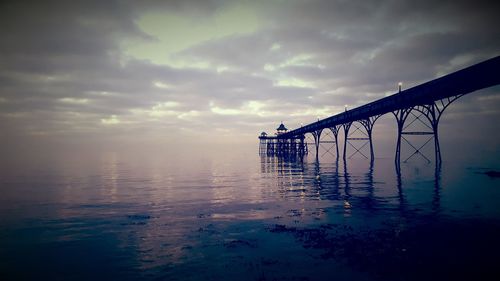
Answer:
(281, 129)
(279, 146)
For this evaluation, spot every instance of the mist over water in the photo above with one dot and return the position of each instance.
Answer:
(228, 214)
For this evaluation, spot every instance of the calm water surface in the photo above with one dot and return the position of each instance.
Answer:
(238, 216)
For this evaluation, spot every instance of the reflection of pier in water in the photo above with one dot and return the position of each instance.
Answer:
(335, 182)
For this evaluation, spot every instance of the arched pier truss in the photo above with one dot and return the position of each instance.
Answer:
(424, 103)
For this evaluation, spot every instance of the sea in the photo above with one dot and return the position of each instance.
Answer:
(232, 214)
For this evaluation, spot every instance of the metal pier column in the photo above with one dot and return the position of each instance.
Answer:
(317, 136)
(346, 126)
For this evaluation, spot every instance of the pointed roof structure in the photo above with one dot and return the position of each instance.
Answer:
(282, 127)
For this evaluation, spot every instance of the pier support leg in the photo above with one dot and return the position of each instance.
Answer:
(433, 112)
(335, 130)
(437, 148)
(317, 136)
(302, 146)
(346, 127)
(368, 124)
(401, 116)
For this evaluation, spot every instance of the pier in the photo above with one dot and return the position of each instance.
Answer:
(425, 102)
(275, 146)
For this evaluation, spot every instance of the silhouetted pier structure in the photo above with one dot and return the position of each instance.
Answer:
(275, 146)
(427, 101)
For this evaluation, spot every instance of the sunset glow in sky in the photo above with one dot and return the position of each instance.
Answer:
(110, 70)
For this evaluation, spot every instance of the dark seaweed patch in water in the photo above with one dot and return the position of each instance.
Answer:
(138, 219)
(294, 213)
(446, 250)
(209, 229)
(202, 216)
(493, 174)
(236, 243)
(269, 262)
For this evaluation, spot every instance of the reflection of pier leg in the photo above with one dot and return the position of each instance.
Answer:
(401, 196)
(436, 200)
(347, 189)
(370, 203)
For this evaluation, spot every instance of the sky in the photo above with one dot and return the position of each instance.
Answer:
(223, 71)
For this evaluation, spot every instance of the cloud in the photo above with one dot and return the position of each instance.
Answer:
(112, 120)
(100, 68)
